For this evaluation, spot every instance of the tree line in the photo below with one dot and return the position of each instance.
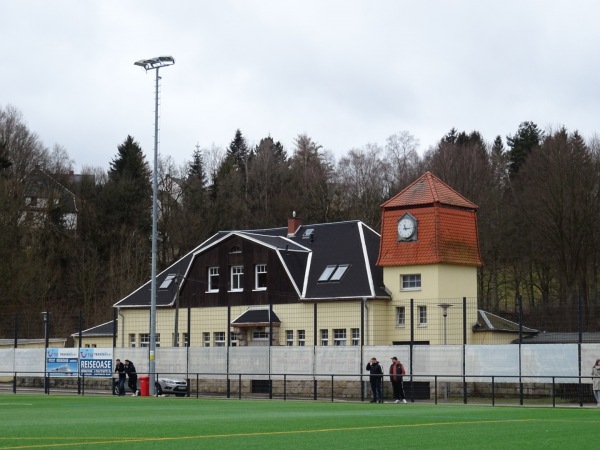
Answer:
(538, 193)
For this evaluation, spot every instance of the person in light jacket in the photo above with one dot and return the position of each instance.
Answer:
(396, 373)
(596, 381)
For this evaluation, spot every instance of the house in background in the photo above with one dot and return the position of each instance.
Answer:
(255, 287)
(47, 198)
(100, 336)
(330, 284)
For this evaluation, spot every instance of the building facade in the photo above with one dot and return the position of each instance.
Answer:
(330, 284)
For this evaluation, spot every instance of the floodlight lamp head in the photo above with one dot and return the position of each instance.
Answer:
(155, 63)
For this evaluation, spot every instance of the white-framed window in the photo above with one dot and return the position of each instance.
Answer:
(400, 316)
(132, 340)
(324, 338)
(260, 277)
(145, 339)
(234, 341)
(90, 345)
(219, 338)
(206, 339)
(289, 338)
(260, 334)
(237, 278)
(301, 338)
(422, 316)
(410, 282)
(339, 337)
(355, 336)
(213, 279)
(186, 340)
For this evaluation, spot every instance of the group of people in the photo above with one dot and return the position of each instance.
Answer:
(396, 372)
(124, 371)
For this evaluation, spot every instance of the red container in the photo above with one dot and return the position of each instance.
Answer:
(144, 386)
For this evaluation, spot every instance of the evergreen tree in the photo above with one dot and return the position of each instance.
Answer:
(194, 187)
(238, 151)
(125, 219)
(268, 176)
(527, 137)
(129, 190)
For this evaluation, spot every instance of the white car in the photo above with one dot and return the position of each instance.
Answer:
(164, 386)
(167, 386)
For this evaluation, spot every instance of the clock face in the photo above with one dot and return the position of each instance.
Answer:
(406, 228)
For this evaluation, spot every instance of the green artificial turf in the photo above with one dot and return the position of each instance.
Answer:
(37, 421)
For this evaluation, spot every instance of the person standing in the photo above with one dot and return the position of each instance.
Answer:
(132, 375)
(596, 382)
(376, 380)
(120, 370)
(396, 373)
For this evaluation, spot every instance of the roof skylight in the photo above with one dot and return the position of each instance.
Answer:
(333, 272)
(308, 233)
(167, 281)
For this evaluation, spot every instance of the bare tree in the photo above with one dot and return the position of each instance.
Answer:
(361, 186)
(403, 159)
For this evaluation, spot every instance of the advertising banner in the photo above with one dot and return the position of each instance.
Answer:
(61, 362)
(96, 362)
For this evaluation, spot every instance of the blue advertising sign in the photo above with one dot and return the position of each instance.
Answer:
(61, 362)
(96, 362)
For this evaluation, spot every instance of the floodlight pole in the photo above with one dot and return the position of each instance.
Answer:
(154, 64)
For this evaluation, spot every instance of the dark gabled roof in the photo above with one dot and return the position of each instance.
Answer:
(256, 317)
(560, 338)
(140, 298)
(42, 185)
(304, 256)
(105, 329)
(490, 322)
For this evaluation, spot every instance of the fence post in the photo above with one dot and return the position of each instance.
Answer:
(520, 302)
(464, 350)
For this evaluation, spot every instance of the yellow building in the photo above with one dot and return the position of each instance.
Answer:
(331, 284)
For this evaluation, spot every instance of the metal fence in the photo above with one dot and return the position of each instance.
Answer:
(448, 321)
(490, 390)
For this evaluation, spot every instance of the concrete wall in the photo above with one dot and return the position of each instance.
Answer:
(537, 361)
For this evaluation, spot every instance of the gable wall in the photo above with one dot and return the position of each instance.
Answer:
(279, 288)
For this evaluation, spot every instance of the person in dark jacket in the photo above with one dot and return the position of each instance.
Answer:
(396, 373)
(376, 380)
(120, 369)
(132, 374)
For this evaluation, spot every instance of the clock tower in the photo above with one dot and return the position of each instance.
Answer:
(430, 253)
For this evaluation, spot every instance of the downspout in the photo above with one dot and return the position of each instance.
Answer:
(122, 322)
(364, 300)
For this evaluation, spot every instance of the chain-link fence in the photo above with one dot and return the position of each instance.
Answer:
(439, 321)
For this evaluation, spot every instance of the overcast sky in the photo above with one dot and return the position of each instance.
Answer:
(347, 73)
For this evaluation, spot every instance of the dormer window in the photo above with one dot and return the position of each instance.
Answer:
(333, 272)
(235, 249)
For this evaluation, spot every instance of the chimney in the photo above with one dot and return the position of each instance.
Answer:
(293, 224)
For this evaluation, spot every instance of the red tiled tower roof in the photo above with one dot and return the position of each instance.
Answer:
(446, 226)
(428, 189)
